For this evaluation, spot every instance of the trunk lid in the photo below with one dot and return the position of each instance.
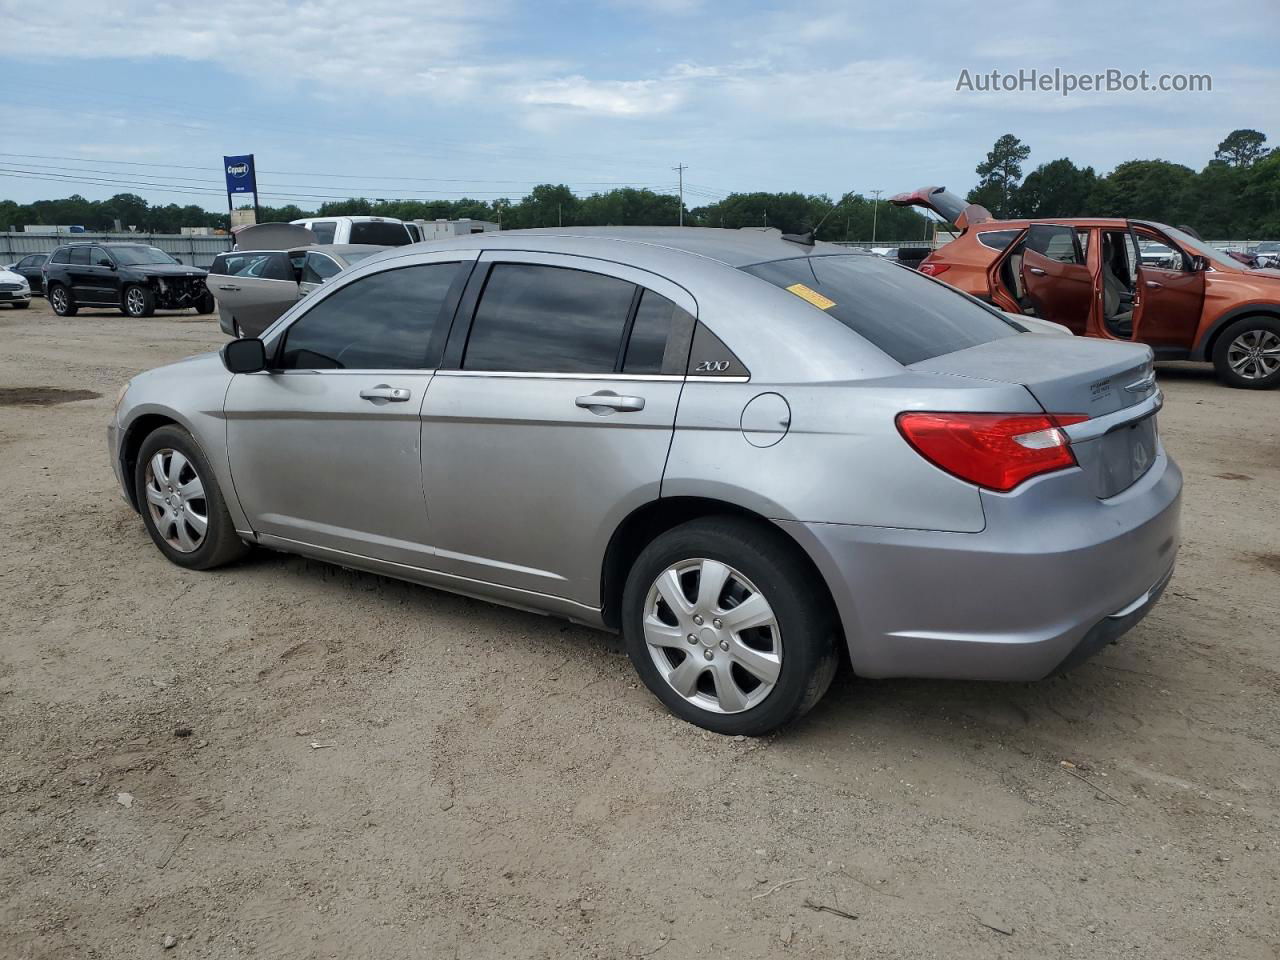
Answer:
(949, 206)
(1113, 384)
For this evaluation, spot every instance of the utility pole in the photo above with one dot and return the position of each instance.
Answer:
(680, 168)
(875, 209)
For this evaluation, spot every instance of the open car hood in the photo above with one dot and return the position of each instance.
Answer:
(274, 236)
(945, 204)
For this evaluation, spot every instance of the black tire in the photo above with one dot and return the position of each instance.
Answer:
(800, 604)
(220, 545)
(62, 301)
(137, 301)
(205, 304)
(1267, 330)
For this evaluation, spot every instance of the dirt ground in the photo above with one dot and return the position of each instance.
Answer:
(379, 770)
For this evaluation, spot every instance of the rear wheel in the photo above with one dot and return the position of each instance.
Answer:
(63, 303)
(181, 504)
(726, 624)
(1247, 353)
(138, 301)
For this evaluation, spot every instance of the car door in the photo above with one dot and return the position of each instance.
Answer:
(316, 269)
(1055, 277)
(1166, 312)
(551, 417)
(80, 274)
(103, 277)
(325, 446)
(257, 287)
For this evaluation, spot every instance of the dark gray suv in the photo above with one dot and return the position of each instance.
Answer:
(136, 278)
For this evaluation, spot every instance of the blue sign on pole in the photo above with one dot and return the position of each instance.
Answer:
(240, 174)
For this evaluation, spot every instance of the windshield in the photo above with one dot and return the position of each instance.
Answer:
(134, 256)
(904, 313)
(1192, 245)
(1269, 246)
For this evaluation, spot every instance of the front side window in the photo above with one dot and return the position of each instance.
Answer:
(538, 319)
(99, 257)
(380, 322)
(325, 230)
(318, 268)
(901, 311)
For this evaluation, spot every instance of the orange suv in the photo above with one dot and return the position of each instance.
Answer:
(1108, 278)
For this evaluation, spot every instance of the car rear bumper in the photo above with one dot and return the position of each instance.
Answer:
(1056, 575)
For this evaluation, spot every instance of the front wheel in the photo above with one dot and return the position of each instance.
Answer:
(205, 303)
(1248, 354)
(724, 621)
(138, 301)
(64, 305)
(181, 504)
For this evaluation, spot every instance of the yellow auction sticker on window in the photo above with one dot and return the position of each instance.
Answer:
(813, 296)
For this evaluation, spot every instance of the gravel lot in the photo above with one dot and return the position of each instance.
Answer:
(380, 770)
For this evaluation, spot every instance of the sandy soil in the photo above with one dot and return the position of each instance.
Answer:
(379, 770)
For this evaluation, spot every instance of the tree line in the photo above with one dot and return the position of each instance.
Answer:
(1236, 195)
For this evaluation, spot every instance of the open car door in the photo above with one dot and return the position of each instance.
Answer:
(1166, 312)
(1055, 279)
(947, 205)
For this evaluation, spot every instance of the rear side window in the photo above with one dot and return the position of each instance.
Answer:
(263, 266)
(380, 322)
(538, 319)
(997, 239)
(905, 314)
(318, 268)
(61, 255)
(325, 230)
(79, 255)
(1055, 242)
(378, 232)
(660, 335)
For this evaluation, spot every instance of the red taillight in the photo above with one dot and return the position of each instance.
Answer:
(933, 269)
(994, 450)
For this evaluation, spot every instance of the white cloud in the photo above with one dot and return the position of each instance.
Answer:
(618, 98)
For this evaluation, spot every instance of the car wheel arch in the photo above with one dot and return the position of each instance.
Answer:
(1204, 350)
(649, 521)
(135, 434)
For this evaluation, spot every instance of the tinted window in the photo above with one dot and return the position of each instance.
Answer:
(379, 322)
(79, 255)
(1056, 243)
(318, 268)
(264, 266)
(379, 232)
(997, 239)
(33, 261)
(141, 255)
(61, 255)
(324, 230)
(99, 257)
(660, 331)
(548, 320)
(904, 313)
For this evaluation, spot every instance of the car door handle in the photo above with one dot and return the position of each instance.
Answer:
(228, 286)
(1038, 271)
(610, 400)
(1154, 284)
(384, 392)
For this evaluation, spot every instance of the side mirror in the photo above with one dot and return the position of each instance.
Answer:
(104, 262)
(179, 259)
(245, 355)
(1199, 264)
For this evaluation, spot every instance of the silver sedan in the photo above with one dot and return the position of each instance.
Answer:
(751, 454)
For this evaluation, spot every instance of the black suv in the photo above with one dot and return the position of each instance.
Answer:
(134, 277)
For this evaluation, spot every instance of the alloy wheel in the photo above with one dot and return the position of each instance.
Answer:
(713, 636)
(1255, 354)
(135, 302)
(59, 297)
(176, 498)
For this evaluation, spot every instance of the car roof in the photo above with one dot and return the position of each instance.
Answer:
(734, 248)
(336, 248)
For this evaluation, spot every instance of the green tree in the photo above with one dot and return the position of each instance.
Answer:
(1055, 189)
(1149, 190)
(1242, 148)
(1000, 174)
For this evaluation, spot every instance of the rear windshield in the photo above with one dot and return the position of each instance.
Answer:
(380, 232)
(904, 313)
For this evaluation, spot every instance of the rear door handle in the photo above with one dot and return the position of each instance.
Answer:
(610, 400)
(1154, 284)
(1037, 271)
(227, 286)
(384, 392)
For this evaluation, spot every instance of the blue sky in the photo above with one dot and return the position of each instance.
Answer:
(487, 97)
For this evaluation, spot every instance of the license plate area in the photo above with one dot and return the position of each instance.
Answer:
(1123, 456)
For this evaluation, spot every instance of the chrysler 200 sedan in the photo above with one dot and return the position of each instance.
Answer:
(750, 455)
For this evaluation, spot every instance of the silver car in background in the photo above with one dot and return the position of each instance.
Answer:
(748, 454)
